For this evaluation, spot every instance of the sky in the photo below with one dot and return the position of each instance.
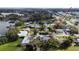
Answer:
(39, 3)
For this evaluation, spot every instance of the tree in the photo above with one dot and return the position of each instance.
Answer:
(12, 34)
(59, 24)
(53, 43)
(19, 23)
(46, 45)
(13, 17)
(65, 44)
(73, 31)
(3, 40)
(28, 47)
(35, 31)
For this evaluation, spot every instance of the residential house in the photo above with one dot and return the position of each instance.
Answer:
(61, 32)
(23, 33)
(43, 36)
(26, 40)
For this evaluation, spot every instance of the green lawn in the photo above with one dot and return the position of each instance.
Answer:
(12, 46)
(73, 48)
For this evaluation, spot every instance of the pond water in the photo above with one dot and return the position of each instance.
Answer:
(3, 27)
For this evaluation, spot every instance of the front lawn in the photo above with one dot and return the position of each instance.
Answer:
(12, 46)
(73, 48)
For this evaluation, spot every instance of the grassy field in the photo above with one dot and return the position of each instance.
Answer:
(12, 46)
(73, 48)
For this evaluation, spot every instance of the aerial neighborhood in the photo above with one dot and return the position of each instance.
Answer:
(31, 29)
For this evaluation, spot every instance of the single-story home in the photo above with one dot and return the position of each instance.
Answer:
(61, 32)
(77, 35)
(43, 36)
(26, 29)
(26, 40)
(46, 38)
(23, 33)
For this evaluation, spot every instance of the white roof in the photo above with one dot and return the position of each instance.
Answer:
(77, 40)
(62, 35)
(77, 35)
(26, 29)
(35, 25)
(11, 13)
(59, 29)
(26, 40)
(23, 33)
(67, 29)
(46, 38)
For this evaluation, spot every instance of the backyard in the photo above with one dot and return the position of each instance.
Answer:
(12, 46)
(73, 48)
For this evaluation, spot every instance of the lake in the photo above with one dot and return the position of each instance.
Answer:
(3, 27)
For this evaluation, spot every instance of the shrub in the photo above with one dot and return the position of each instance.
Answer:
(19, 23)
(12, 35)
(53, 43)
(65, 44)
(28, 47)
(3, 40)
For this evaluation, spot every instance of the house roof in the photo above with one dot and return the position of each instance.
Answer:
(22, 33)
(61, 35)
(26, 29)
(26, 40)
(59, 30)
(46, 38)
(77, 35)
(76, 40)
